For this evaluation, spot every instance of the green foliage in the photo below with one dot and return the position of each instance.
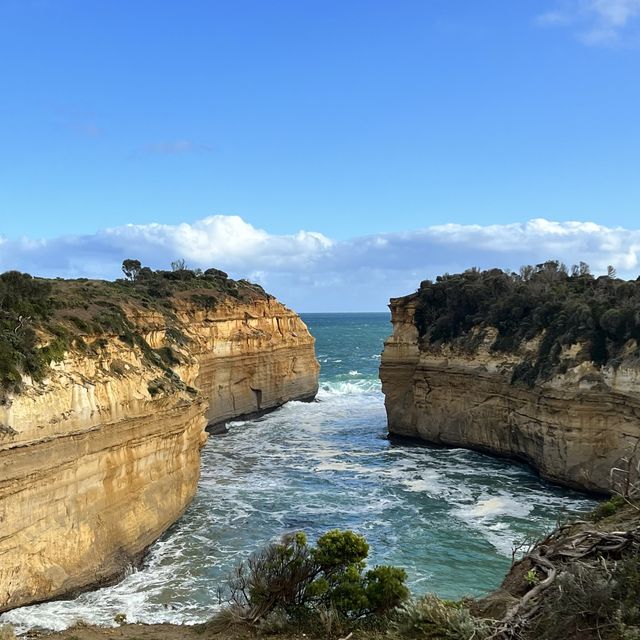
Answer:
(206, 301)
(23, 301)
(531, 577)
(82, 324)
(40, 319)
(55, 350)
(131, 269)
(294, 580)
(542, 301)
(607, 508)
(385, 587)
(338, 549)
(23, 295)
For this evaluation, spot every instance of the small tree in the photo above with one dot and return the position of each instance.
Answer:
(179, 265)
(131, 269)
(291, 577)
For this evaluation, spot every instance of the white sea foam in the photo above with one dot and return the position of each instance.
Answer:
(348, 388)
(316, 466)
(342, 466)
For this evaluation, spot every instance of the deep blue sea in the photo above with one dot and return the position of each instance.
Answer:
(450, 517)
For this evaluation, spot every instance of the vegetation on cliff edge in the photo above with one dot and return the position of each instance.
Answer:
(548, 302)
(581, 582)
(41, 319)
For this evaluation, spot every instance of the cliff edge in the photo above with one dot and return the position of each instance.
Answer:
(106, 392)
(541, 366)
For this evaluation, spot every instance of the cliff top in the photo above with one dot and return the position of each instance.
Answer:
(599, 317)
(42, 318)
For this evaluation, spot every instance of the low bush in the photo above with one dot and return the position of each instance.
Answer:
(292, 582)
(23, 301)
(607, 508)
(431, 618)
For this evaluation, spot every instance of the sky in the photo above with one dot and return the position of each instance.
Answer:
(336, 151)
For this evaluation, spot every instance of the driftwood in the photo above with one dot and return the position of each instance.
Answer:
(547, 557)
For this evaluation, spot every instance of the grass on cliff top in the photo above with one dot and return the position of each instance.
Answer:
(41, 319)
(564, 308)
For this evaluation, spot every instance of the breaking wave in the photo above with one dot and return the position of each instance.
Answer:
(449, 516)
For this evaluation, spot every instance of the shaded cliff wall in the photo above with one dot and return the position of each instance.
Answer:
(573, 428)
(100, 457)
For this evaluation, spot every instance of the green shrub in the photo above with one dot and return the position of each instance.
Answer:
(607, 508)
(23, 301)
(55, 350)
(385, 588)
(338, 549)
(81, 324)
(292, 580)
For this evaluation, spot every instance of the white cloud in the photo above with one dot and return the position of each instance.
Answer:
(597, 22)
(310, 271)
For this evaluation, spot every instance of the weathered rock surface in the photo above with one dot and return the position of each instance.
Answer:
(573, 428)
(103, 455)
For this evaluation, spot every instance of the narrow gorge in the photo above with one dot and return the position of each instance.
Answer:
(100, 446)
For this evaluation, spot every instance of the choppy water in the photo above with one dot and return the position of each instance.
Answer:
(449, 516)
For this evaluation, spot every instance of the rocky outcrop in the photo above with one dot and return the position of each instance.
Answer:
(100, 457)
(574, 427)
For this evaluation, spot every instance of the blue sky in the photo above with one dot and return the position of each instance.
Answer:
(349, 119)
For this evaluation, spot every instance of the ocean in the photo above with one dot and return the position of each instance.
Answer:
(450, 517)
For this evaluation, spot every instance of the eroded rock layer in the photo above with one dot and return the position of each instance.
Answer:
(574, 428)
(100, 457)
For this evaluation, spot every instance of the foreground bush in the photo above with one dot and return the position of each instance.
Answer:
(322, 586)
(431, 618)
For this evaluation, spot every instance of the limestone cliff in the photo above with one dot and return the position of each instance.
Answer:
(101, 455)
(574, 422)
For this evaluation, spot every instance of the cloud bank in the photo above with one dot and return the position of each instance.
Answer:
(598, 22)
(312, 272)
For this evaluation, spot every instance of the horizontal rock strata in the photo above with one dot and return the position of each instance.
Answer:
(97, 460)
(574, 428)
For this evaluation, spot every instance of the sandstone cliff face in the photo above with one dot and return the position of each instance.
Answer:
(573, 428)
(97, 460)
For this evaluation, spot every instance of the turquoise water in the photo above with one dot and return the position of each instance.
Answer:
(449, 516)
